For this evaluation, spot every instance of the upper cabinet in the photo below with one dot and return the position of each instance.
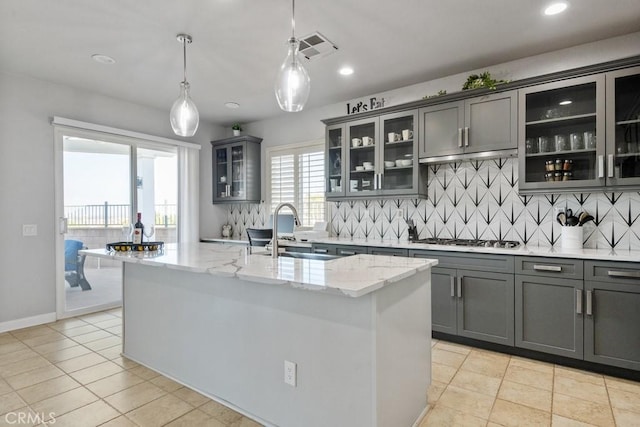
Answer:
(236, 169)
(374, 157)
(481, 124)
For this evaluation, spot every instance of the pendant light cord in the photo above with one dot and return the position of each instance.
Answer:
(293, 19)
(184, 52)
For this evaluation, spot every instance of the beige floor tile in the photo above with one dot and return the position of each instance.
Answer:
(81, 330)
(96, 413)
(626, 418)
(55, 346)
(582, 410)
(525, 395)
(442, 373)
(448, 358)
(144, 372)
(34, 376)
(44, 339)
(580, 389)
(91, 336)
(621, 384)
(81, 362)
(65, 324)
(220, 412)
(96, 372)
(165, 383)
(196, 418)
(4, 387)
(115, 330)
(160, 412)
(435, 391)
(34, 331)
(192, 397)
(66, 354)
(124, 362)
(456, 348)
(113, 384)
(530, 377)
(441, 416)
(16, 356)
(7, 338)
(47, 389)
(64, 402)
(11, 347)
(109, 323)
(622, 399)
(486, 364)
(578, 375)
(97, 317)
(23, 365)
(534, 365)
(121, 421)
(117, 312)
(434, 342)
(134, 397)
(469, 402)
(476, 382)
(103, 343)
(10, 402)
(21, 417)
(513, 415)
(245, 422)
(560, 421)
(111, 352)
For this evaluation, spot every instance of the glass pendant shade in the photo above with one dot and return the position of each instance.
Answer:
(293, 83)
(184, 114)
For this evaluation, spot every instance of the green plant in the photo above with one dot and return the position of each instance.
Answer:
(440, 93)
(484, 80)
(236, 126)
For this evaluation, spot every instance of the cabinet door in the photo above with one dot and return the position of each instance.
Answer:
(549, 315)
(335, 155)
(238, 171)
(611, 332)
(441, 129)
(443, 300)
(321, 248)
(623, 127)
(486, 306)
(221, 173)
(561, 135)
(388, 251)
(491, 122)
(361, 167)
(398, 162)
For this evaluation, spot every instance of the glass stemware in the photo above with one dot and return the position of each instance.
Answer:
(148, 231)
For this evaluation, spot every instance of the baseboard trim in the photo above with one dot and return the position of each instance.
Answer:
(26, 322)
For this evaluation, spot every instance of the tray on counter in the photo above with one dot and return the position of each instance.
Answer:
(136, 247)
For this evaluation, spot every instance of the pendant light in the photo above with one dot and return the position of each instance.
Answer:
(184, 114)
(292, 83)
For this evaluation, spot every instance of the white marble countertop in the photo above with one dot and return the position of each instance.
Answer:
(352, 276)
(282, 242)
(593, 254)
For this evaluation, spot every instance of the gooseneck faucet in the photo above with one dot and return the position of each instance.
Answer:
(296, 220)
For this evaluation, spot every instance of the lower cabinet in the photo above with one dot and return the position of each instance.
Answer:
(472, 303)
(341, 250)
(388, 251)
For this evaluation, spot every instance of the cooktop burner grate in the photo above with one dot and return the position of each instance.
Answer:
(508, 244)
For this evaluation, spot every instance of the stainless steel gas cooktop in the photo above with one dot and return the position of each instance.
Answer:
(508, 244)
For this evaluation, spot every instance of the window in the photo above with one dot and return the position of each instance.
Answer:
(297, 176)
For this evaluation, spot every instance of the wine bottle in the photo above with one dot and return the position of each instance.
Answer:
(138, 230)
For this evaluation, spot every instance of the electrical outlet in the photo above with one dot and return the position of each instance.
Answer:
(558, 210)
(290, 373)
(29, 229)
(399, 213)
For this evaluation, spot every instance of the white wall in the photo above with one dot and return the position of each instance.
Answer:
(27, 264)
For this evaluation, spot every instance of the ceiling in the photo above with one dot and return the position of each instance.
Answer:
(238, 45)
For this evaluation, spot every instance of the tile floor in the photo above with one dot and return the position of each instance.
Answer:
(73, 369)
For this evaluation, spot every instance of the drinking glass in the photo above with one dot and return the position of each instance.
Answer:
(148, 232)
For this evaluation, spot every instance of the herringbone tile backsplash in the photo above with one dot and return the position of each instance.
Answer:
(476, 200)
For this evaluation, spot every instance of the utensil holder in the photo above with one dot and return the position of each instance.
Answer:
(571, 237)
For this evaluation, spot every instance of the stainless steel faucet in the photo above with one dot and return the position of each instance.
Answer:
(296, 220)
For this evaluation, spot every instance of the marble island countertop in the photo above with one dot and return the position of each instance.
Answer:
(352, 276)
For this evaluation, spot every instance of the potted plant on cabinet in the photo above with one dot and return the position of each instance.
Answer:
(236, 129)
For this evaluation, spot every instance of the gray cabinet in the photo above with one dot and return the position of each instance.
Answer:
(388, 251)
(472, 303)
(612, 313)
(236, 169)
(481, 124)
(549, 310)
(340, 250)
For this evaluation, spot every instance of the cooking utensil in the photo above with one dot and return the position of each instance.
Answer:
(586, 219)
(562, 218)
(572, 221)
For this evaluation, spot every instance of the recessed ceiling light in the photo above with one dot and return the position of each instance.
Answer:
(565, 102)
(346, 71)
(103, 59)
(555, 8)
(232, 105)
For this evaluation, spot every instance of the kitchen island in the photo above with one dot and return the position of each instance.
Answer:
(223, 322)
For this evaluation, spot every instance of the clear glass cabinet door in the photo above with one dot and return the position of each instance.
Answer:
(335, 157)
(222, 179)
(399, 153)
(362, 169)
(238, 181)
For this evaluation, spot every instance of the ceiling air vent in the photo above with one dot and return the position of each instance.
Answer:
(315, 45)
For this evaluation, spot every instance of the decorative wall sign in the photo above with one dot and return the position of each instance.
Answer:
(371, 104)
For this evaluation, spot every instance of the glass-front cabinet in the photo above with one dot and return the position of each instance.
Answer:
(561, 135)
(362, 169)
(335, 155)
(399, 168)
(623, 127)
(236, 170)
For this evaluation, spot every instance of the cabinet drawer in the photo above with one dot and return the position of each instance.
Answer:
(350, 250)
(468, 261)
(549, 267)
(321, 248)
(612, 271)
(388, 251)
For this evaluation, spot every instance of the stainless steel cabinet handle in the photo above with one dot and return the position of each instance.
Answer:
(600, 166)
(460, 287)
(466, 136)
(459, 137)
(614, 273)
(610, 168)
(228, 190)
(321, 251)
(579, 301)
(347, 253)
(556, 268)
(589, 303)
(375, 181)
(453, 286)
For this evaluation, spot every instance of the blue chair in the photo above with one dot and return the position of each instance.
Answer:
(74, 265)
